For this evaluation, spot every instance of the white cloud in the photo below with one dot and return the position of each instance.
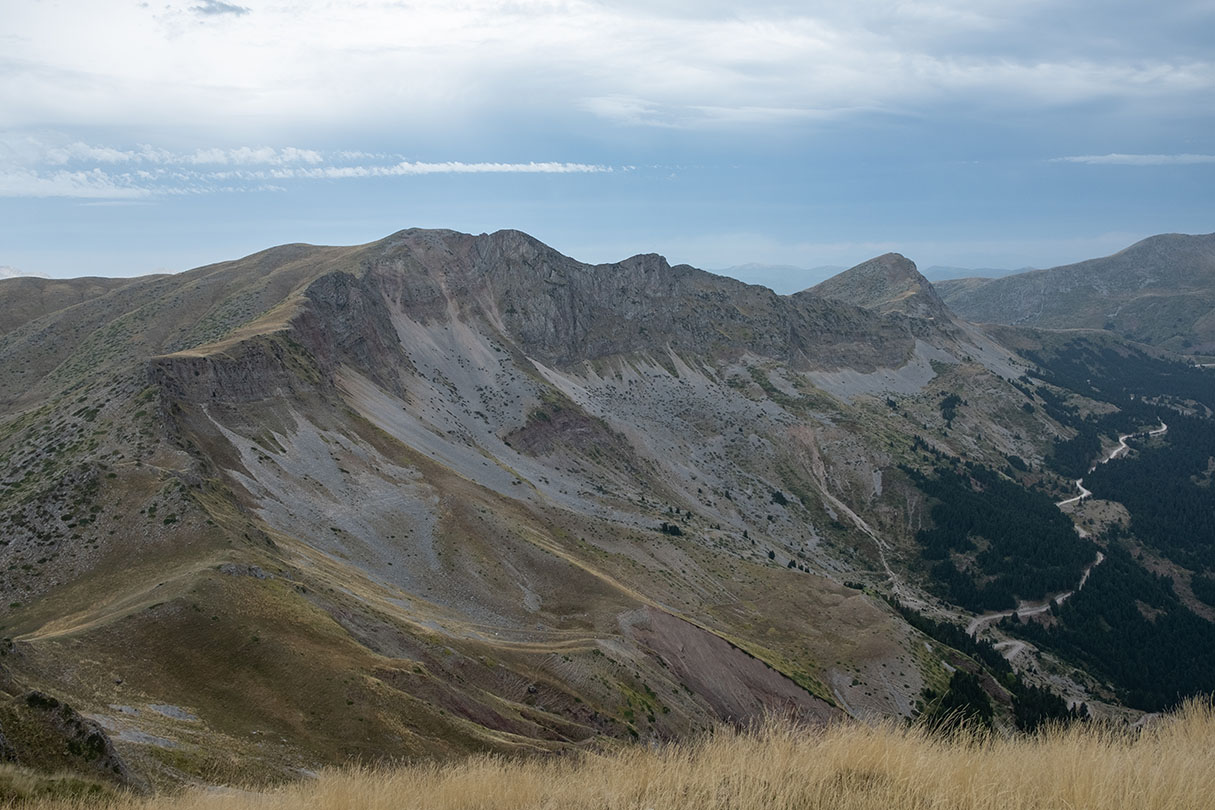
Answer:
(34, 169)
(405, 168)
(245, 155)
(1117, 159)
(390, 64)
(239, 156)
(91, 183)
(10, 272)
(212, 7)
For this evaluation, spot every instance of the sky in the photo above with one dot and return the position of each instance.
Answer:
(140, 137)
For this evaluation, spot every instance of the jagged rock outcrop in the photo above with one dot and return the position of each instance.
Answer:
(52, 733)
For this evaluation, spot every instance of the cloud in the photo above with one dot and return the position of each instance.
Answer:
(10, 272)
(405, 168)
(145, 154)
(88, 171)
(214, 7)
(1117, 159)
(246, 155)
(674, 63)
(91, 183)
(116, 203)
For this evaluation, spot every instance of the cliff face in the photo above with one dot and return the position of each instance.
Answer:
(566, 312)
(446, 492)
(1159, 291)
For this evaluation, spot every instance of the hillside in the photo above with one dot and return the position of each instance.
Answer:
(445, 493)
(1159, 291)
(27, 298)
(850, 766)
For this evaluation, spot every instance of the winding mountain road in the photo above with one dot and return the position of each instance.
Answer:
(1032, 608)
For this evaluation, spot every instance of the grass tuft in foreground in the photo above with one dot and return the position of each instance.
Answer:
(1167, 765)
(22, 787)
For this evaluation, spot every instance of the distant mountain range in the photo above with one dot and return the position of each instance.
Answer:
(787, 279)
(784, 279)
(943, 273)
(1159, 291)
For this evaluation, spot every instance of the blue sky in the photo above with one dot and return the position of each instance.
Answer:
(147, 136)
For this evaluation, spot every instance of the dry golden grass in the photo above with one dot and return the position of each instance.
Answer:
(1168, 765)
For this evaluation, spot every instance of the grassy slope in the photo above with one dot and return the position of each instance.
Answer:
(25, 299)
(1166, 765)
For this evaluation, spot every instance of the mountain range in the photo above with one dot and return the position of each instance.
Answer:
(788, 279)
(1159, 291)
(443, 493)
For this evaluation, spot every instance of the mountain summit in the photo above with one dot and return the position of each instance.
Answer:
(885, 284)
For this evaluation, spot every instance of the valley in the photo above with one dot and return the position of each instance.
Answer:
(1026, 609)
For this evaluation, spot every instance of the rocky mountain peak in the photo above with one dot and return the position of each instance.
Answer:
(886, 283)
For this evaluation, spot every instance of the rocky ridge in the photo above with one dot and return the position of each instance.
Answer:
(496, 499)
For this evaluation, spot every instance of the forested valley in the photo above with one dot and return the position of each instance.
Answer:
(1013, 542)
(1128, 625)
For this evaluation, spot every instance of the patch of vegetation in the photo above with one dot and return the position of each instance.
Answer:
(1128, 626)
(1011, 542)
(20, 786)
(1203, 586)
(1168, 492)
(1032, 706)
(964, 703)
(949, 407)
(1132, 380)
(1121, 375)
(844, 765)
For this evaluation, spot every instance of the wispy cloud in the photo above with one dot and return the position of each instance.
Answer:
(115, 203)
(81, 170)
(10, 272)
(240, 156)
(214, 7)
(1118, 159)
(89, 184)
(405, 168)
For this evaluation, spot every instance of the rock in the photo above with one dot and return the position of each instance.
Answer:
(235, 570)
(85, 741)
